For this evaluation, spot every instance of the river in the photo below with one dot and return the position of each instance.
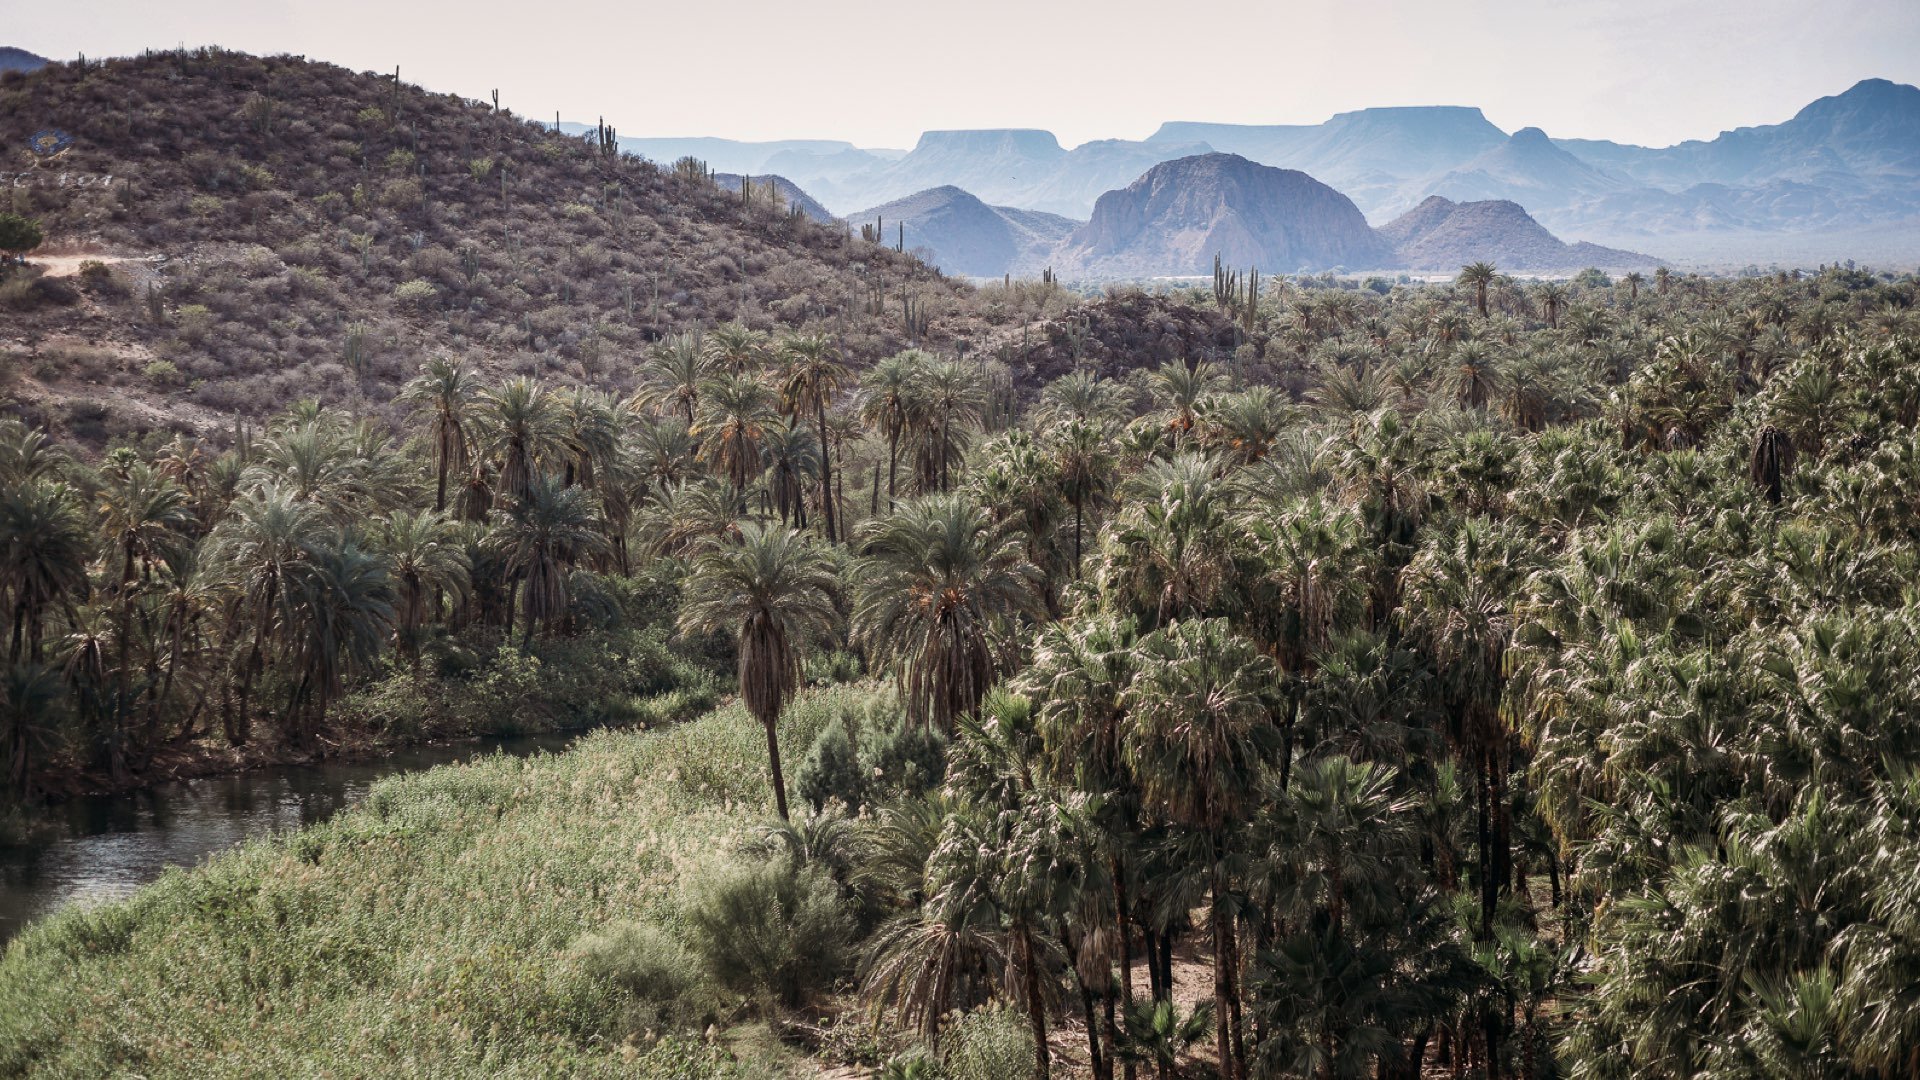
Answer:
(106, 846)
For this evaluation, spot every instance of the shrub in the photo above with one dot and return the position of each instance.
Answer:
(164, 373)
(418, 294)
(987, 1044)
(646, 962)
(769, 930)
(832, 771)
(19, 235)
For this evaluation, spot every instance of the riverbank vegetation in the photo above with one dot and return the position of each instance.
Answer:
(1509, 679)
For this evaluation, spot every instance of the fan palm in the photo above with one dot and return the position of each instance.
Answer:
(937, 586)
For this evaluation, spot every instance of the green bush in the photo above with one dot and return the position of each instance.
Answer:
(832, 771)
(987, 1044)
(649, 964)
(770, 930)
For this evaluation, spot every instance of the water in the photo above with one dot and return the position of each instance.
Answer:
(106, 846)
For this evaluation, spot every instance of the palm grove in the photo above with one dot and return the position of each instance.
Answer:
(1518, 683)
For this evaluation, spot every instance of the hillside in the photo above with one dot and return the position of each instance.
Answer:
(1180, 214)
(279, 228)
(1441, 234)
(790, 195)
(963, 235)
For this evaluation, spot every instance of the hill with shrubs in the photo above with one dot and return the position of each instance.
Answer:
(227, 233)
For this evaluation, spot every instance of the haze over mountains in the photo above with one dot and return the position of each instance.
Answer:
(1844, 165)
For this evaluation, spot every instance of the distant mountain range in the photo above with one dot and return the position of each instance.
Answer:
(1174, 219)
(12, 59)
(1845, 164)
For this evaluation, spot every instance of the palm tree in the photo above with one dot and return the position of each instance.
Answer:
(1633, 281)
(1171, 551)
(793, 461)
(339, 604)
(1157, 1033)
(671, 375)
(735, 350)
(1553, 297)
(811, 377)
(544, 536)
(143, 516)
(45, 546)
(887, 390)
(32, 701)
(522, 432)
(256, 546)
(1480, 275)
(1083, 457)
(428, 558)
(937, 585)
(773, 590)
(445, 390)
(735, 413)
(1198, 733)
(1179, 389)
(951, 395)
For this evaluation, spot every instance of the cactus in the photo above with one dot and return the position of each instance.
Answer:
(902, 245)
(1252, 306)
(496, 101)
(1047, 278)
(606, 138)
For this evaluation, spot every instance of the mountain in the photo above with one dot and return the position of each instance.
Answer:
(1444, 235)
(1528, 169)
(731, 155)
(959, 233)
(997, 165)
(789, 192)
(1174, 219)
(12, 59)
(291, 229)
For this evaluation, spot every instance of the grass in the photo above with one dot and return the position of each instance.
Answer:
(427, 932)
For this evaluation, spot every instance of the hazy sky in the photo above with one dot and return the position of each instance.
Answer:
(878, 73)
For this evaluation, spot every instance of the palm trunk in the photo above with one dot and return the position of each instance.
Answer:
(773, 760)
(1036, 1008)
(830, 519)
(893, 464)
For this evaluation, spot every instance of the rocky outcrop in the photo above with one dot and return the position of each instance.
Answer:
(1443, 235)
(1180, 214)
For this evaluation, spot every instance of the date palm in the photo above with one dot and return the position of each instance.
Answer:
(1480, 277)
(937, 587)
(45, 546)
(445, 391)
(1083, 458)
(543, 537)
(339, 611)
(735, 414)
(671, 375)
(886, 394)
(733, 349)
(255, 547)
(522, 432)
(811, 376)
(428, 558)
(773, 590)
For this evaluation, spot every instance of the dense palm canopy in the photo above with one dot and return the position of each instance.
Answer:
(1467, 678)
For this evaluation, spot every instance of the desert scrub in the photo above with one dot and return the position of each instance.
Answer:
(435, 930)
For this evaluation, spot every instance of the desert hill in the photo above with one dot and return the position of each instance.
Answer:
(278, 228)
(963, 235)
(12, 59)
(1180, 214)
(1444, 235)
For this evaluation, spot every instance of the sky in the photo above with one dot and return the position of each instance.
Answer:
(878, 72)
